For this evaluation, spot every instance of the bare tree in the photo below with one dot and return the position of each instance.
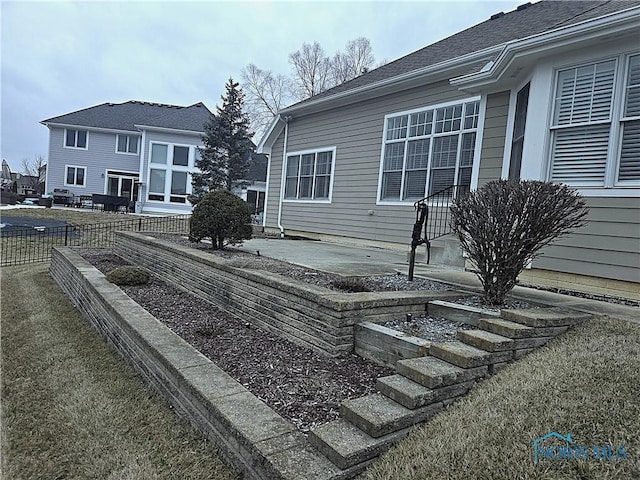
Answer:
(356, 59)
(312, 71)
(265, 94)
(34, 170)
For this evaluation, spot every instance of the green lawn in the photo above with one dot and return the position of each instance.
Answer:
(586, 383)
(72, 408)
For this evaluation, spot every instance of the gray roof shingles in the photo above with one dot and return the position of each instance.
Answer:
(527, 20)
(124, 116)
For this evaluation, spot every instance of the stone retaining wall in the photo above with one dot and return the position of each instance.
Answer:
(306, 314)
(386, 346)
(251, 436)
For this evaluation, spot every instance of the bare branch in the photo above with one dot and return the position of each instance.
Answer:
(312, 71)
(265, 95)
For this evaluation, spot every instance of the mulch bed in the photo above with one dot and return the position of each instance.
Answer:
(298, 383)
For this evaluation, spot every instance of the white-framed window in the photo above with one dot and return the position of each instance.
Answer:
(595, 127)
(127, 144)
(169, 167)
(74, 138)
(75, 176)
(309, 175)
(427, 150)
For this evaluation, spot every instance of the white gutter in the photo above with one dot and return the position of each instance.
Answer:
(87, 127)
(283, 174)
(168, 130)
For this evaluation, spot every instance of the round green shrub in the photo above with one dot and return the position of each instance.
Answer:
(129, 275)
(221, 216)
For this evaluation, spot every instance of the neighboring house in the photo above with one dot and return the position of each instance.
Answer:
(254, 192)
(26, 184)
(140, 150)
(550, 91)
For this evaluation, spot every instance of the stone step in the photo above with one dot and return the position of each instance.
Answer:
(491, 342)
(378, 415)
(434, 373)
(505, 328)
(517, 330)
(345, 445)
(413, 395)
(544, 317)
(466, 356)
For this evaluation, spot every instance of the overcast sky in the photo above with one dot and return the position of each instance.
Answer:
(58, 57)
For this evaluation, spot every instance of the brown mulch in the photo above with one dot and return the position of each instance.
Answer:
(298, 383)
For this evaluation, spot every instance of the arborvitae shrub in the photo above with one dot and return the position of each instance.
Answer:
(222, 217)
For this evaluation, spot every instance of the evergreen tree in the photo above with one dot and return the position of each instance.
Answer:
(225, 158)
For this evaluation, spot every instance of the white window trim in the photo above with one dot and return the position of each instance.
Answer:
(111, 173)
(169, 168)
(611, 188)
(64, 139)
(84, 185)
(333, 170)
(118, 135)
(476, 154)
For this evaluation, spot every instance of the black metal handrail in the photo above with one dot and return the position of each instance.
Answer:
(25, 245)
(433, 215)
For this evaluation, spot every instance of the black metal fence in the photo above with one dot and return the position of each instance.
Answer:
(32, 245)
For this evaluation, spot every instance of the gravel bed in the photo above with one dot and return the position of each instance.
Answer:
(434, 329)
(298, 383)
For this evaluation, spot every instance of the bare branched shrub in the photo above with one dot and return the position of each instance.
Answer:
(503, 224)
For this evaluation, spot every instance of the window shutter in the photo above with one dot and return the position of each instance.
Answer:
(580, 154)
(630, 152)
(585, 94)
(632, 108)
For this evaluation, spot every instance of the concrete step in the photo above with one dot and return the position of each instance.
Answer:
(544, 317)
(491, 342)
(505, 328)
(413, 395)
(378, 415)
(434, 373)
(346, 445)
(466, 356)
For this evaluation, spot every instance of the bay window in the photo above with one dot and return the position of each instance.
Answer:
(595, 129)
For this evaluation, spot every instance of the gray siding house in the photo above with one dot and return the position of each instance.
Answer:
(550, 91)
(140, 150)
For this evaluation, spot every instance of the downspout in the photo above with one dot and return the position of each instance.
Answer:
(283, 174)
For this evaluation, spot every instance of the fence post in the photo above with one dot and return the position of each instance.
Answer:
(140, 224)
(66, 235)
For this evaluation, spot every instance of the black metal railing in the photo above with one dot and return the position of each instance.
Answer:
(433, 217)
(33, 244)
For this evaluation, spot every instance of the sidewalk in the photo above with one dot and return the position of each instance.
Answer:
(351, 260)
